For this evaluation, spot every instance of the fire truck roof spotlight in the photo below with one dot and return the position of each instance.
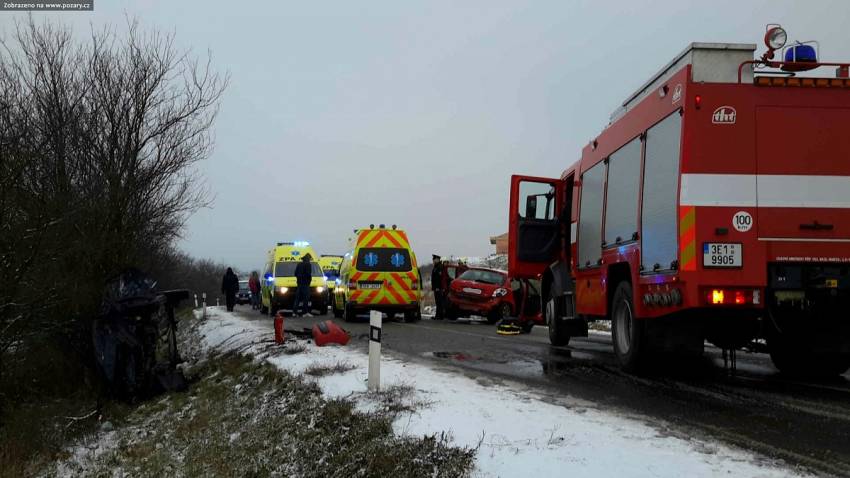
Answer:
(775, 37)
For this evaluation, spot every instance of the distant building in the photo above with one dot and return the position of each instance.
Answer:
(501, 243)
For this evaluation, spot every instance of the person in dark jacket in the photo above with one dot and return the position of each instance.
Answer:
(437, 287)
(254, 287)
(303, 277)
(229, 287)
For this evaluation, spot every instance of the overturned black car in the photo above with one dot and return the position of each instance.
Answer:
(135, 338)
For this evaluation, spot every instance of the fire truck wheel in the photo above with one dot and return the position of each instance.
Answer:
(337, 312)
(272, 309)
(801, 362)
(627, 333)
(558, 334)
(321, 308)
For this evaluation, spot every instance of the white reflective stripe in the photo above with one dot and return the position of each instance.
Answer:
(803, 191)
(800, 239)
(573, 232)
(718, 190)
(765, 190)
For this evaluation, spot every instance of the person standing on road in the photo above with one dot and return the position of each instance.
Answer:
(254, 287)
(303, 277)
(437, 287)
(229, 287)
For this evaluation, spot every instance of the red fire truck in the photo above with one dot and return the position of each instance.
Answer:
(714, 206)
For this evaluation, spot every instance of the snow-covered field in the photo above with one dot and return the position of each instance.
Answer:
(517, 433)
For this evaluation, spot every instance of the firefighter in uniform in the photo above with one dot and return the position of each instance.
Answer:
(437, 287)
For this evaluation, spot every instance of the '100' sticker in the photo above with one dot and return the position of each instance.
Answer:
(742, 221)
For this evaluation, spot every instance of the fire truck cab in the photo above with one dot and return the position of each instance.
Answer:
(714, 206)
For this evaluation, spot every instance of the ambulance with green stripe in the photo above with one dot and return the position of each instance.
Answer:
(379, 272)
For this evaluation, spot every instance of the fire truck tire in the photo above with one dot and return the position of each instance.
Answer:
(627, 332)
(322, 308)
(800, 362)
(272, 309)
(558, 334)
(337, 312)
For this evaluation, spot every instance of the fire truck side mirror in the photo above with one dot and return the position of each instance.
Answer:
(531, 207)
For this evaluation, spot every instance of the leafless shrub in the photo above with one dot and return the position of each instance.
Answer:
(321, 370)
(99, 143)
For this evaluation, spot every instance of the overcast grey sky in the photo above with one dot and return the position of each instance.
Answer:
(341, 114)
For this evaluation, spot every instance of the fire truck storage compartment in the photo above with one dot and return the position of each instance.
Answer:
(803, 181)
(660, 185)
(590, 217)
(622, 194)
(811, 298)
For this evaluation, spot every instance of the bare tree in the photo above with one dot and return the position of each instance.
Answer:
(99, 142)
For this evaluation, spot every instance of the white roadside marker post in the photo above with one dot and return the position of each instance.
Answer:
(204, 304)
(196, 301)
(217, 302)
(374, 350)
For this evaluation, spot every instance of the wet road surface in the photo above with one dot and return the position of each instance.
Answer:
(806, 423)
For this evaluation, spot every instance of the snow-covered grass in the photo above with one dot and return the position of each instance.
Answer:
(242, 416)
(516, 432)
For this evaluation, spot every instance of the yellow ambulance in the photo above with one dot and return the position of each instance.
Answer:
(379, 272)
(330, 267)
(278, 281)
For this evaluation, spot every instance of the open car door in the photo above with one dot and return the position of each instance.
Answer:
(534, 228)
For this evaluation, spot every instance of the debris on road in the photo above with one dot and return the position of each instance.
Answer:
(327, 332)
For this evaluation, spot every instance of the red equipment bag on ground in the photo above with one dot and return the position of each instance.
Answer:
(328, 332)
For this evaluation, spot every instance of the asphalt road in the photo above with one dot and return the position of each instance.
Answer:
(805, 423)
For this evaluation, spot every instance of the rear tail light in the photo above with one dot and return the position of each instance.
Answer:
(717, 296)
(732, 296)
(740, 298)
